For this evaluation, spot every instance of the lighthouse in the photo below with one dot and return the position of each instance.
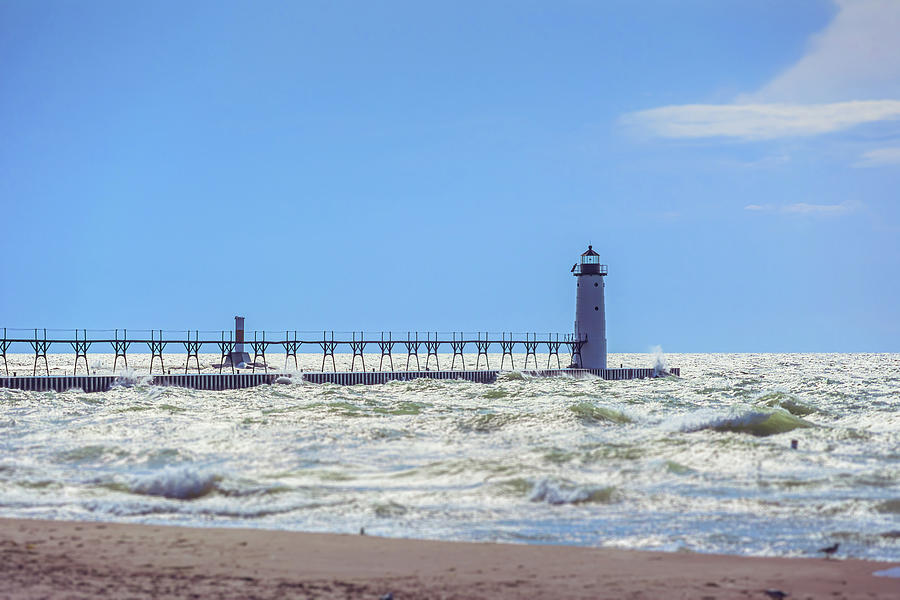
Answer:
(590, 310)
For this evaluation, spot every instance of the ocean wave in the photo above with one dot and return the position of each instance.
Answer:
(757, 423)
(614, 451)
(787, 402)
(341, 407)
(591, 413)
(422, 384)
(167, 507)
(401, 408)
(677, 468)
(90, 453)
(504, 376)
(489, 422)
(182, 483)
(389, 510)
(130, 378)
(559, 456)
(553, 492)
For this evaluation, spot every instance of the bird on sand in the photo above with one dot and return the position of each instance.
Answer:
(830, 550)
(776, 594)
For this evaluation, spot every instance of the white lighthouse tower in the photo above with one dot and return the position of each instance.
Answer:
(590, 310)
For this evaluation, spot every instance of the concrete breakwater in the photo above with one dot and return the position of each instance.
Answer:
(104, 383)
(228, 381)
(489, 376)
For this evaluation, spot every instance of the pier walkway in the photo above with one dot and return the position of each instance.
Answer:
(419, 348)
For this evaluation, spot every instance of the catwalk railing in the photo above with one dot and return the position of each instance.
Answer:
(412, 343)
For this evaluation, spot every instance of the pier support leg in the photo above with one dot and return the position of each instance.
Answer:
(290, 349)
(259, 349)
(412, 349)
(4, 346)
(328, 347)
(81, 347)
(358, 347)
(458, 346)
(156, 350)
(120, 347)
(226, 347)
(431, 346)
(531, 349)
(387, 349)
(574, 346)
(40, 351)
(482, 346)
(553, 349)
(193, 350)
(507, 347)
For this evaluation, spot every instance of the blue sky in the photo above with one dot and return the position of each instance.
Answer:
(410, 165)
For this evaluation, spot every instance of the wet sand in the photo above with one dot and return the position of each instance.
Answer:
(58, 559)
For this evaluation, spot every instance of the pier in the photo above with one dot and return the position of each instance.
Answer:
(585, 351)
(228, 381)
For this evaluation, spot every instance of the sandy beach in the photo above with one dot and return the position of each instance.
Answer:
(56, 559)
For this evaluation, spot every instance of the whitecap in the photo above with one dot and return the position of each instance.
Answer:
(552, 492)
(183, 483)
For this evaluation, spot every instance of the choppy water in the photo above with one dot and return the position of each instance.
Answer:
(701, 463)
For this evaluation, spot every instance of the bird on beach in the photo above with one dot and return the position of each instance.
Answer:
(830, 550)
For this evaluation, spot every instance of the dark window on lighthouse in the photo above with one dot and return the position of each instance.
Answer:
(596, 308)
(596, 284)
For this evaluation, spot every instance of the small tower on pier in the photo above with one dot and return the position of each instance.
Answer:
(590, 310)
(239, 358)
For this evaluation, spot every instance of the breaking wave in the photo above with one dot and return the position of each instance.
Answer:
(786, 402)
(489, 422)
(592, 413)
(182, 483)
(553, 492)
(131, 378)
(504, 376)
(757, 423)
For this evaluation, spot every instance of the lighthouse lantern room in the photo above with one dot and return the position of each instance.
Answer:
(590, 311)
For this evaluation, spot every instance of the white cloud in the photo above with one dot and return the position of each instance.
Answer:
(856, 56)
(879, 158)
(849, 76)
(805, 209)
(760, 121)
